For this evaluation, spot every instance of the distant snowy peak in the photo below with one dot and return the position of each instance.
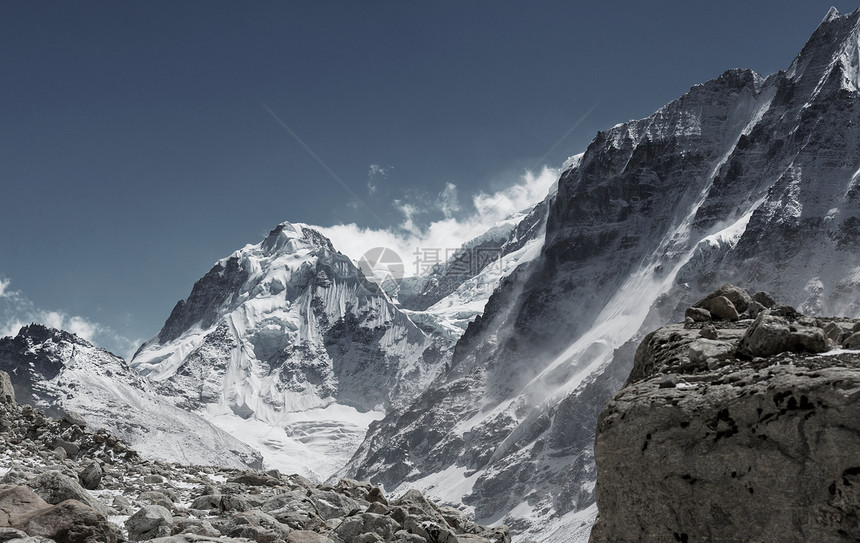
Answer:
(56, 371)
(831, 57)
(286, 325)
(292, 247)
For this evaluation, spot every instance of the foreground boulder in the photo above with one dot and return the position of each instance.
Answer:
(68, 522)
(757, 437)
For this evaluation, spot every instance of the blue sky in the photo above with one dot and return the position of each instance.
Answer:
(138, 145)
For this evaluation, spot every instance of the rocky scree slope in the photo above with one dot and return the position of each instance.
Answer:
(56, 372)
(746, 179)
(745, 430)
(61, 482)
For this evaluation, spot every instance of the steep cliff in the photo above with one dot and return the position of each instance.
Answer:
(735, 431)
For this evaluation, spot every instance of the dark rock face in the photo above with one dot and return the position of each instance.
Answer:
(205, 300)
(743, 179)
(739, 448)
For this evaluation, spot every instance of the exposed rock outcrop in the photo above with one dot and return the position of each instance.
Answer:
(755, 439)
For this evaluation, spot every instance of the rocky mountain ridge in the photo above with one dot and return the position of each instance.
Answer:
(743, 179)
(56, 372)
(739, 429)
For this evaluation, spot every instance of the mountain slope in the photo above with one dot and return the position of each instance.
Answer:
(743, 179)
(57, 372)
(286, 345)
(445, 300)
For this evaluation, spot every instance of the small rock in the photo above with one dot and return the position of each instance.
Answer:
(709, 332)
(697, 314)
(755, 308)
(207, 502)
(737, 296)
(377, 507)
(376, 495)
(667, 381)
(8, 534)
(149, 522)
(154, 497)
(72, 449)
(852, 342)
(765, 299)
(91, 476)
(723, 308)
(75, 419)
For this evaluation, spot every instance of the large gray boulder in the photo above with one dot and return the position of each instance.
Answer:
(68, 522)
(91, 476)
(54, 487)
(305, 536)
(19, 501)
(353, 527)
(7, 392)
(150, 522)
(739, 298)
(771, 334)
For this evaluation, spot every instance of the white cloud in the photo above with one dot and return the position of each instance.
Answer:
(16, 311)
(378, 171)
(450, 232)
(447, 201)
(375, 173)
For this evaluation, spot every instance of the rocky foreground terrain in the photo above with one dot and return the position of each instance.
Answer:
(742, 424)
(61, 482)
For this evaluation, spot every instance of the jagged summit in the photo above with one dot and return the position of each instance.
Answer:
(832, 13)
(831, 57)
(39, 333)
(293, 237)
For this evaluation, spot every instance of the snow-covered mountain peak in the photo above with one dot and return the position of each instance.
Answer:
(831, 57)
(286, 344)
(293, 237)
(56, 371)
(832, 13)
